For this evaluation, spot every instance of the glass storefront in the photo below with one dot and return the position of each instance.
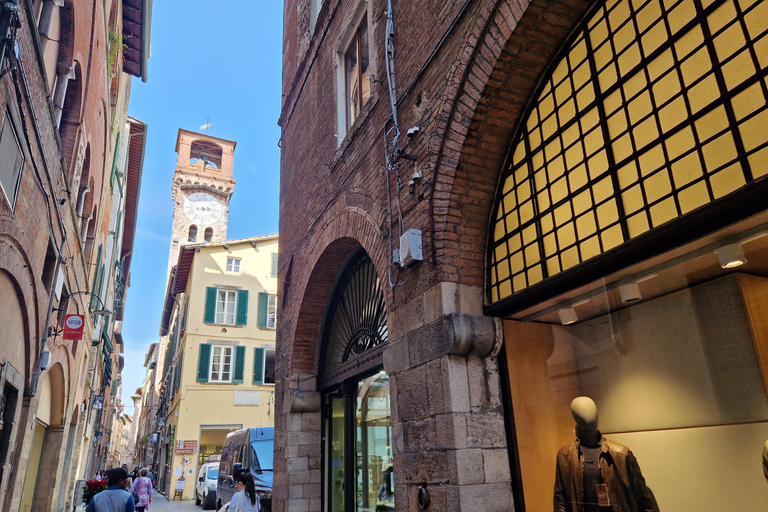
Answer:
(641, 158)
(370, 451)
(358, 469)
(674, 356)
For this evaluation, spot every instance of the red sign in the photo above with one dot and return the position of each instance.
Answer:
(188, 447)
(73, 327)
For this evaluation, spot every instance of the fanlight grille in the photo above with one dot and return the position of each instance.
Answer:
(357, 317)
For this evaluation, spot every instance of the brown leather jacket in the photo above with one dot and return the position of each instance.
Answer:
(621, 473)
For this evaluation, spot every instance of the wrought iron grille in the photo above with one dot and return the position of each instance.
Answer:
(654, 109)
(357, 318)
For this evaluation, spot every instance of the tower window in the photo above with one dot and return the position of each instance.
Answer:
(208, 234)
(207, 152)
(192, 233)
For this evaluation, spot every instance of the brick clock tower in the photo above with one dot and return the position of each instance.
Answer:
(202, 187)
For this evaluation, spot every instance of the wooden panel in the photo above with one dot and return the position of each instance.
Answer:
(543, 422)
(755, 292)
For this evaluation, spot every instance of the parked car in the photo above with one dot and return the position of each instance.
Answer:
(205, 488)
(252, 450)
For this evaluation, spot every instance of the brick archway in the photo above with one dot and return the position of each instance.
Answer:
(18, 268)
(347, 228)
(514, 45)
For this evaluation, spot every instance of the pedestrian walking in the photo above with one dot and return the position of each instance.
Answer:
(245, 499)
(142, 491)
(114, 498)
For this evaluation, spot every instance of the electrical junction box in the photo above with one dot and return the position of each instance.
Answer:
(410, 248)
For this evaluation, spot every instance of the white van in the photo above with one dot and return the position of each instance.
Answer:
(205, 487)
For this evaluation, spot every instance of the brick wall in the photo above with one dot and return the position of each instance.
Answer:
(464, 72)
(45, 211)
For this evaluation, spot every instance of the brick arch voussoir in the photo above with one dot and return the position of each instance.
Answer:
(61, 355)
(516, 43)
(14, 261)
(345, 231)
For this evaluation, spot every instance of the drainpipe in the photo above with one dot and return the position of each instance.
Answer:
(84, 189)
(65, 74)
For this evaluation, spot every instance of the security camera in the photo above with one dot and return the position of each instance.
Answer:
(412, 132)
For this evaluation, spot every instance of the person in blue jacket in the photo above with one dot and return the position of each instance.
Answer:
(114, 498)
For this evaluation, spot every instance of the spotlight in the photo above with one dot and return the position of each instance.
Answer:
(629, 292)
(731, 256)
(568, 316)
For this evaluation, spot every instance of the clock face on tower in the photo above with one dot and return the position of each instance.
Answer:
(202, 208)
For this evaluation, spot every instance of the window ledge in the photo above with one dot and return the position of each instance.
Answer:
(226, 325)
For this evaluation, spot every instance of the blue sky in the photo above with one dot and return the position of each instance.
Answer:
(218, 60)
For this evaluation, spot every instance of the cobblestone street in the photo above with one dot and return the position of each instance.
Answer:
(161, 504)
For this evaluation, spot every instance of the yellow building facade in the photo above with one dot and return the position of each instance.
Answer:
(219, 370)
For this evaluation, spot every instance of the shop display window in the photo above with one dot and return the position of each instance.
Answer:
(357, 455)
(677, 366)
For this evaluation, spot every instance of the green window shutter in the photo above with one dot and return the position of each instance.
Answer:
(95, 279)
(210, 305)
(204, 362)
(242, 307)
(258, 366)
(178, 372)
(115, 161)
(184, 316)
(239, 365)
(274, 264)
(261, 316)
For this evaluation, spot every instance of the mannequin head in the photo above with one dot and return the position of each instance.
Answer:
(584, 412)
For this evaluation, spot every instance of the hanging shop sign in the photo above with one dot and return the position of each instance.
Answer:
(185, 447)
(73, 327)
(98, 402)
(154, 437)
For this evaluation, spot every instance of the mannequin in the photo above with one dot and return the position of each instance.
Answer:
(594, 474)
(765, 461)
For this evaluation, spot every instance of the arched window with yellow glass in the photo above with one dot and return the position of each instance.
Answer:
(654, 112)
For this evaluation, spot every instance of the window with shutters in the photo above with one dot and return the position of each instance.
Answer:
(267, 314)
(226, 307)
(226, 301)
(221, 364)
(273, 273)
(272, 312)
(263, 365)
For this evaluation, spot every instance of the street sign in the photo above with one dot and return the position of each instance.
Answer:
(73, 327)
(154, 437)
(98, 402)
(185, 447)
